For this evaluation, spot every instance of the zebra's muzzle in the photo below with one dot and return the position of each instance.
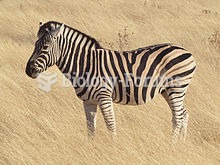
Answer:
(31, 71)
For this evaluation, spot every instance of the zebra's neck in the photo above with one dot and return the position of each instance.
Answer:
(75, 47)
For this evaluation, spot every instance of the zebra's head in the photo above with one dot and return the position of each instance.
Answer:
(46, 52)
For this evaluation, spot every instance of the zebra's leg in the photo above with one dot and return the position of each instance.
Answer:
(165, 95)
(183, 130)
(180, 121)
(106, 107)
(91, 112)
(175, 97)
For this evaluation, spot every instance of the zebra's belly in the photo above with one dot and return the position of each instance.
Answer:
(134, 97)
(131, 102)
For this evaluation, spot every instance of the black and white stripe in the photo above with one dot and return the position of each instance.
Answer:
(126, 77)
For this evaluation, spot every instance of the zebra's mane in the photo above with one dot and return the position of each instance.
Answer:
(51, 24)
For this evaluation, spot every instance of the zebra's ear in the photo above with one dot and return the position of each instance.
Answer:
(40, 24)
(56, 32)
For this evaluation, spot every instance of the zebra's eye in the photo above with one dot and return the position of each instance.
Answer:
(47, 40)
(46, 47)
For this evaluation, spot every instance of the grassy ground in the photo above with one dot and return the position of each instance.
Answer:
(49, 128)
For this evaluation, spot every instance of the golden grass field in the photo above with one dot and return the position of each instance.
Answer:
(49, 128)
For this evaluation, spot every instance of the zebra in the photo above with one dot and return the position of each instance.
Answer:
(139, 75)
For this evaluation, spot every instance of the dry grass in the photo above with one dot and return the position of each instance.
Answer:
(49, 128)
(214, 39)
